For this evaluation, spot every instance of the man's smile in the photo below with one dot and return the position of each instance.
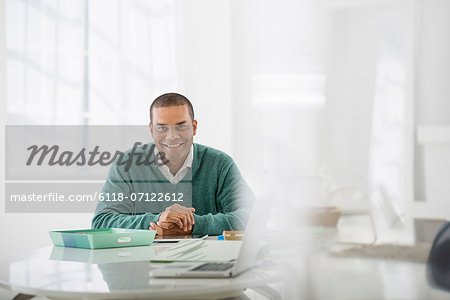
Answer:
(172, 145)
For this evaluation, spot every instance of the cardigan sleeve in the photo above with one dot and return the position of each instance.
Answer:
(119, 214)
(234, 200)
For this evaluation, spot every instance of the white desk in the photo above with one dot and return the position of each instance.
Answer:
(119, 273)
(124, 273)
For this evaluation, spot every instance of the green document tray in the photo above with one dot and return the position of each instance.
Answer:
(102, 238)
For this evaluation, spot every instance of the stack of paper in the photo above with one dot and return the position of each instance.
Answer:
(201, 251)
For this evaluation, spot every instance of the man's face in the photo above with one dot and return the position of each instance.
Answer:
(173, 131)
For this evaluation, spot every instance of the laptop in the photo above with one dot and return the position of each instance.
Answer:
(246, 258)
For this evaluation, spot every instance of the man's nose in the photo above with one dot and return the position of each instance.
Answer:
(172, 134)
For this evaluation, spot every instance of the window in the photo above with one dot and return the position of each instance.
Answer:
(88, 62)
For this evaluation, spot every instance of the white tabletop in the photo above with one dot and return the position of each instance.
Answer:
(111, 273)
(120, 273)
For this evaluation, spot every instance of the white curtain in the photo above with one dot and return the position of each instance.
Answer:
(391, 143)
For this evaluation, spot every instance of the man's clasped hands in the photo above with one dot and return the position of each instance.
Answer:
(175, 220)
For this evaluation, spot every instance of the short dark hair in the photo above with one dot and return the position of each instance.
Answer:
(171, 99)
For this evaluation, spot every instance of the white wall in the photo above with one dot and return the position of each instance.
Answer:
(283, 42)
(3, 221)
(342, 43)
(205, 68)
(351, 72)
(432, 76)
(433, 63)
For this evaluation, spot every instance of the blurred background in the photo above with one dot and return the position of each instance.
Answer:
(309, 97)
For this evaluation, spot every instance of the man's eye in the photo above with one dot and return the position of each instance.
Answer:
(181, 127)
(162, 128)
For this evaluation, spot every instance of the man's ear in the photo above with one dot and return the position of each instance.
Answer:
(151, 128)
(194, 126)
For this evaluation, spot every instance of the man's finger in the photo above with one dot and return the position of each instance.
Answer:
(174, 230)
(192, 216)
(153, 226)
(184, 220)
(173, 207)
(175, 218)
(179, 208)
(189, 211)
(188, 218)
(171, 217)
(166, 225)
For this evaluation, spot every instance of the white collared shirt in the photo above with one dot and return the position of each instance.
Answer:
(181, 172)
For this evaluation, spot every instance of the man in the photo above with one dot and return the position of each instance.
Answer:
(210, 192)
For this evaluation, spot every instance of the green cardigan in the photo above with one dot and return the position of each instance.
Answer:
(213, 186)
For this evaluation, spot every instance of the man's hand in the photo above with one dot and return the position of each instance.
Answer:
(178, 215)
(172, 230)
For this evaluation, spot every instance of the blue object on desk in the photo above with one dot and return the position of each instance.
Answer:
(221, 237)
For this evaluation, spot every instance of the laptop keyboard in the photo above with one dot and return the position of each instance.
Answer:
(214, 267)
